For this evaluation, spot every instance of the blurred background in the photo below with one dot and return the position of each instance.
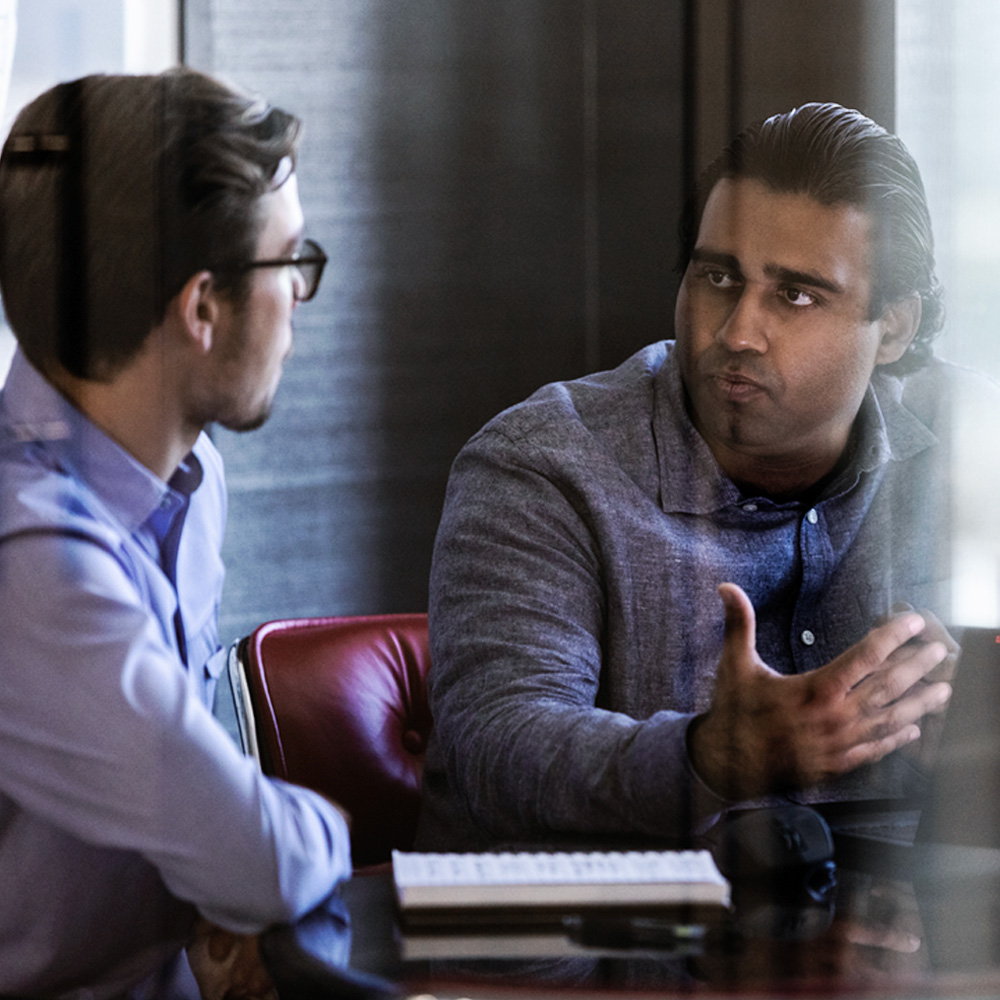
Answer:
(497, 183)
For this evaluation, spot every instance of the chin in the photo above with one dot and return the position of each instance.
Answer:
(247, 422)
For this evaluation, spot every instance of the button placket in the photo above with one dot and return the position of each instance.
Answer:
(816, 554)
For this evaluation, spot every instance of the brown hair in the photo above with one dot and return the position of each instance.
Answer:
(114, 190)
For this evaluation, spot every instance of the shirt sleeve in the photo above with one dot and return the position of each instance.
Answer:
(519, 618)
(103, 735)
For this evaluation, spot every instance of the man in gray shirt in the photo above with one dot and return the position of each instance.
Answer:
(787, 453)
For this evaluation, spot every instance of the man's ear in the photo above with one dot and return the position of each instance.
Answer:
(899, 321)
(198, 309)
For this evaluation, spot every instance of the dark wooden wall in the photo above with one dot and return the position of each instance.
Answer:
(497, 183)
(753, 58)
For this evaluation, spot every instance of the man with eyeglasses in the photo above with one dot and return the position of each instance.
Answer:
(151, 258)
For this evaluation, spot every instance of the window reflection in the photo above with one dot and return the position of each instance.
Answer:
(45, 41)
(948, 82)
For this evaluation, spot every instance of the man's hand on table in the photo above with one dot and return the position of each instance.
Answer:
(768, 732)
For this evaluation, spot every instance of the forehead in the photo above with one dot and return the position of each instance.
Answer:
(763, 228)
(280, 219)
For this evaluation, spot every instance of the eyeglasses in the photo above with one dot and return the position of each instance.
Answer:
(308, 263)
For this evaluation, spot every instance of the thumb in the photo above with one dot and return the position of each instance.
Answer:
(740, 638)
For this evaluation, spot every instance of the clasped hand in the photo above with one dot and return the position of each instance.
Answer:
(228, 966)
(768, 732)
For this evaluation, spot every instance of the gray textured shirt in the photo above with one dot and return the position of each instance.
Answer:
(575, 624)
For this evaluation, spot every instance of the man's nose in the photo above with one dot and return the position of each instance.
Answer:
(747, 326)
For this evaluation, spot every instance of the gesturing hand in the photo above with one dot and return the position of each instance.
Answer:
(767, 731)
(922, 753)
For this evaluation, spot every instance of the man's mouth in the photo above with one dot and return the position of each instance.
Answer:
(737, 387)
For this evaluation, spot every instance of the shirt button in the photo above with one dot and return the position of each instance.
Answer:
(808, 638)
(811, 516)
(749, 507)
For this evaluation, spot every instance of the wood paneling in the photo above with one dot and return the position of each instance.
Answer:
(497, 183)
(497, 186)
(817, 50)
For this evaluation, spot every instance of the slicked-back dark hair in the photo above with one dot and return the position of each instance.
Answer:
(114, 190)
(837, 155)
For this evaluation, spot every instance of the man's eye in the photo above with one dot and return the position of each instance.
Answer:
(798, 297)
(720, 279)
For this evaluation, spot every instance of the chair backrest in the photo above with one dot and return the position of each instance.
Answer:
(340, 706)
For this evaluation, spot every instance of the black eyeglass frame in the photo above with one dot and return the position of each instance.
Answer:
(311, 256)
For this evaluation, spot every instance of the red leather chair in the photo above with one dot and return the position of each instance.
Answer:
(340, 706)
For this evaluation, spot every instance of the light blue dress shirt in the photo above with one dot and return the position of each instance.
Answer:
(124, 806)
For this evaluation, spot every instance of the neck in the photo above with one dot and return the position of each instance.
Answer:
(787, 479)
(138, 409)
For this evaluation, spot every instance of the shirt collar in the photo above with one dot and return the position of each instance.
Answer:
(35, 412)
(898, 434)
(691, 481)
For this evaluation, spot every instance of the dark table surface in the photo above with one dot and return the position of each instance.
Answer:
(925, 927)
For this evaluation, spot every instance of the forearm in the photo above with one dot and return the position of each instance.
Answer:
(581, 772)
(104, 737)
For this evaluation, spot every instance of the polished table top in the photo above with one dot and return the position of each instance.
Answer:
(925, 927)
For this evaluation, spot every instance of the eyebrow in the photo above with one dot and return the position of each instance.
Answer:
(786, 275)
(701, 255)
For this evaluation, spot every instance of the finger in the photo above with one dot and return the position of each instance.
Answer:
(871, 653)
(944, 671)
(899, 608)
(921, 701)
(872, 751)
(740, 637)
(220, 944)
(935, 630)
(906, 667)
(896, 726)
(888, 938)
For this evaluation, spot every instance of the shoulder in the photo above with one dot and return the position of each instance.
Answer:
(941, 393)
(605, 405)
(58, 556)
(37, 498)
(592, 437)
(960, 407)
